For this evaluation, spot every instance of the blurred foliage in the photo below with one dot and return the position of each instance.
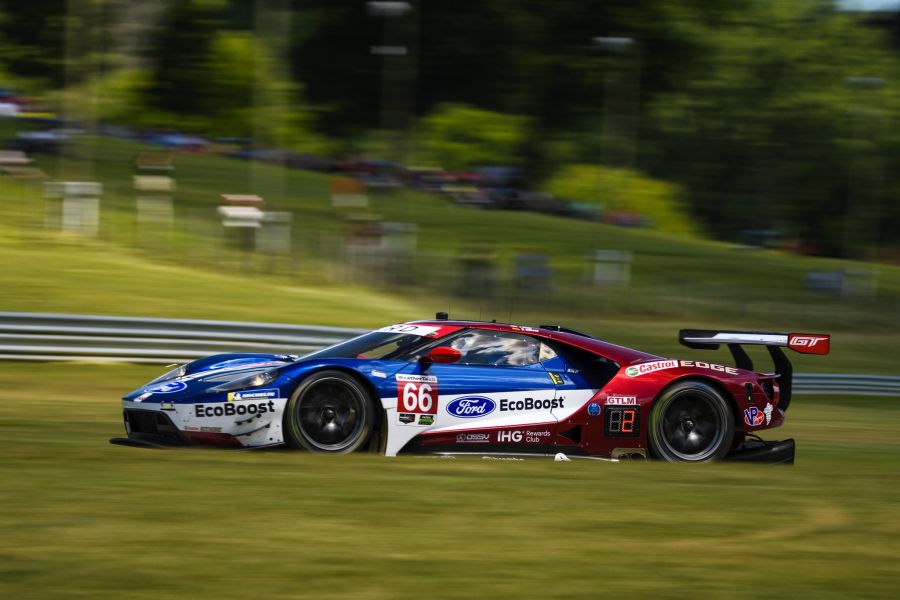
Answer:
(32, 40)
(458, 137)
(624, 189)
(765, 112)
(768, 123)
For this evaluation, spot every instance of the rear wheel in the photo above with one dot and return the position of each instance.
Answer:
(691, 422)
(329, 412)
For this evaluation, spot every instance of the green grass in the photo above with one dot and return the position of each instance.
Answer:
(55, 273)
(80, 518)
(46, 272)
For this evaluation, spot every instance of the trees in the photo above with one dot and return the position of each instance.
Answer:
(769, 130)
(458, 137)
(758, 109)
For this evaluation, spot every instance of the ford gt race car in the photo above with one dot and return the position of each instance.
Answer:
(490, 389)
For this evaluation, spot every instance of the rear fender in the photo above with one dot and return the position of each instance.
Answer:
(736, 411)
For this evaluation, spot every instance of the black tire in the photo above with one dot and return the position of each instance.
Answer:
(330, 412)
(691, 422)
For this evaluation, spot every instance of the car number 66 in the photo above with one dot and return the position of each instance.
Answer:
(417, 398)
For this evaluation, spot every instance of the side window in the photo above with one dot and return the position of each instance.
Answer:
(497, 348)
(547, 353)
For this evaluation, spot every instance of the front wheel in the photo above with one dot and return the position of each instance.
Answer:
(691, 422)
(329, 412)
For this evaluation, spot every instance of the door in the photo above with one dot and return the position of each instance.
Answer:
(497, 398)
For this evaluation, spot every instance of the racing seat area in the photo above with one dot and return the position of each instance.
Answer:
(597, 370)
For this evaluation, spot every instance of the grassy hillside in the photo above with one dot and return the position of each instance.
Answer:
(80, 518)
(676, 282)
(45, 272)
(671, 277)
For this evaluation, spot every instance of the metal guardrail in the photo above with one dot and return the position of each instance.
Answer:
(854, 385)
(42, 336)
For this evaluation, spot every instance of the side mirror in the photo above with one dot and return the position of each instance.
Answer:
(441, 355)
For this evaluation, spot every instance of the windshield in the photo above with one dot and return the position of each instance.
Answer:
(376, 344)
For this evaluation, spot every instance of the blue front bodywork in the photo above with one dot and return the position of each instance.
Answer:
(209, 372)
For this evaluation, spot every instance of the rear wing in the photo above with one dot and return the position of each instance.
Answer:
(805, 343)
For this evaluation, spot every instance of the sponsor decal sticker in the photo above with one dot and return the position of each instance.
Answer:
(143, 396)
(166, 405)
(473, 438)
(417, 394)
(531, 404)
(712, 366)
(407, 418)
(556, 378)
(225, 409)
(518, 437)
(768, 412)
(167, 387)
(252, 395)
(621, 400)
(211, 429)
(593, 409)
(809, 344)
(469, 407)
(650, 367)
(420, 330)
(523, 328)
(426, 419)
(753, 417)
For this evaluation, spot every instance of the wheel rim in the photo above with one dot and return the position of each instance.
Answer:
(330, 415)
(693, 426)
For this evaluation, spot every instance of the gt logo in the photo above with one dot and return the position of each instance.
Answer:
(417, 394)
(809, 344)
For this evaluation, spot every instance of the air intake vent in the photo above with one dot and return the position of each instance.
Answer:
(768, 387)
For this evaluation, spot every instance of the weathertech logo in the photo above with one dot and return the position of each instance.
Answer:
(809, 344)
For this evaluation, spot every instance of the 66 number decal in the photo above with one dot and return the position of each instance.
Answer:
(417, 394)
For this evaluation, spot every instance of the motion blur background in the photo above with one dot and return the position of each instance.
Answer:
(652, 159)
(626, 167)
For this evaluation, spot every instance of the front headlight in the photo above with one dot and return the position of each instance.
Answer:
(247, 381)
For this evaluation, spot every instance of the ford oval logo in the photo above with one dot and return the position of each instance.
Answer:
(471, 406)
(167, 387)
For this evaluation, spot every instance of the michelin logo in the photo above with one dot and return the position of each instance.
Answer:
(252, 395)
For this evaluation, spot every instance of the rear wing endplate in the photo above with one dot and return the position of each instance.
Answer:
(806, 343)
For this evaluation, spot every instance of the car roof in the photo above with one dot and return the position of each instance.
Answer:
(619, 354)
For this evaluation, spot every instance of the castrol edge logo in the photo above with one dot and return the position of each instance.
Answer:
(650, 367)
(808, 343)
(660, 365)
